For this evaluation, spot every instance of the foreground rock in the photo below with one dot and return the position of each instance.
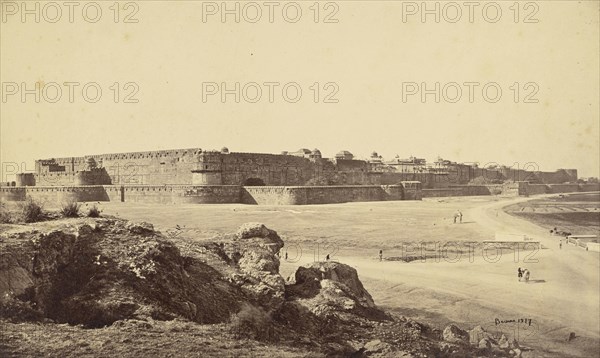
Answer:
(331, 289)
(454, 334)
(96, 272)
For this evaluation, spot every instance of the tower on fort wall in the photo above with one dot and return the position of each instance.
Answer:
(572, 173)
(25, 179)
(209, 169)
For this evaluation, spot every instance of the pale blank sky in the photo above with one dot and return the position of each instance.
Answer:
(369, 54)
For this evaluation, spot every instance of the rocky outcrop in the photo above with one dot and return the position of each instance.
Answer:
(253, 252)
(332, 289)
(95, 272)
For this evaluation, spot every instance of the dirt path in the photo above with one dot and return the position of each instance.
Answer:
(562, 296)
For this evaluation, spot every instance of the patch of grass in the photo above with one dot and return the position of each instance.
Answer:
(5, 215)
(253, 323)
(32, 211)
(70, 209)
(15, 310)
(94, 212)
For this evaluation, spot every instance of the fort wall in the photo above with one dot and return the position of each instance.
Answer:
(442, 192)
(473, 190)
(562, 188)
(270, 195)
(589, 187)
(55, 195)
(343, 194)
(525, 188)
(13, 193)
(307, 195)
(196, 167)
(150, 168)
(206, 194)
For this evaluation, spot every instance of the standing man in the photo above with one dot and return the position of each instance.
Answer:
(380, 255)
(519, 274)
(460, 216)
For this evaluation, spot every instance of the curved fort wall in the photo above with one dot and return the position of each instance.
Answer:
(526, 188)
(270, 195)
(206, 194)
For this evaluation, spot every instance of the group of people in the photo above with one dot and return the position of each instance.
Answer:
(563, 235)
(555, 231)
(523, 273)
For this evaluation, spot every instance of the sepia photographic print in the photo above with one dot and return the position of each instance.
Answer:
(308, 178)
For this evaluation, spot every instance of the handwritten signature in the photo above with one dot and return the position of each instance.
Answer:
(526, 321)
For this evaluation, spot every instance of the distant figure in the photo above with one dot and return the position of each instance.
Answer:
(571, 337)
(519, 274)
(286, 255)
(327, 257)
(460, 216)
(560, 245)
(456, 215)
(380, 255)
(526, 275)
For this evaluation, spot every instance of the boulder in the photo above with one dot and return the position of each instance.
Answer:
(453, 334)
(485, 343)
(250, 230)
(333, 276)
(512, 343)
(503, 342)
(140, 228)
(254, 249)
(332, 291)
(477, 334)
(377, 347)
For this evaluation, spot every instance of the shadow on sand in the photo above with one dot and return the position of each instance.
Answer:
(536, 281)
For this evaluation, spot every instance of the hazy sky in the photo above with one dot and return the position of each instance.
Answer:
(375, 58)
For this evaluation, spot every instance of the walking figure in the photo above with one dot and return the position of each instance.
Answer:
(380, 255)
(560, 245)
(460, 216)
(519, 274)
(526, 274)
(327, 257)
(286, 255)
